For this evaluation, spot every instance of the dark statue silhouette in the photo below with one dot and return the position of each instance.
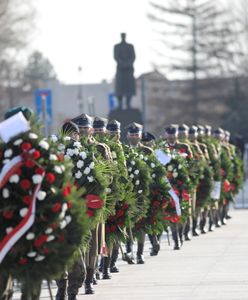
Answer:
(124, 55)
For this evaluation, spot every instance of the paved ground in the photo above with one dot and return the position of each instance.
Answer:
(210, 267)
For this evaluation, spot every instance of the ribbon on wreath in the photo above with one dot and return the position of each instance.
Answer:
(20, 229)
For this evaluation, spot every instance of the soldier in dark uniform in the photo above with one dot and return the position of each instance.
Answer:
(134, 135)
(76, 275)
(124, 55)
(171, 136)
(148, 139)
(84, 123)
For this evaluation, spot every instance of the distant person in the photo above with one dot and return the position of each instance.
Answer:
(124, 55)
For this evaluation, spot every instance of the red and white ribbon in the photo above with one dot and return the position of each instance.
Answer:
(20, 229)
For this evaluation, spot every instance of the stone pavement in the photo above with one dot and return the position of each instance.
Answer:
(213, 266)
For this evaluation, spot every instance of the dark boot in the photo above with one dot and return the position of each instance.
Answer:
(72, 297)
(105, 270)
(175, 238)
(94, 280)
(187, 236)
(140, 257)
(180, 233)
(203, 224)
(155, 244)
(114, 256)
(61, 294)
(195, 231)
(88, 282)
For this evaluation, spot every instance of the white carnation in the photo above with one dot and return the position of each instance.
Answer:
(92, 165)
(54, 138)
(108, 190)
(58, 169)
(67, 138)
(31, 254)
(70, 152)
(62, 168)
(5, 193)
(114, 155)
(64, 207)
(62, 215)
(145, 158)
(153, 175)
(152, 165)
(137, 182)
(62, 224)
(50, 238)
(41, 195)
(170, 168)
(8, 153)
(67, 157)
(140, 191)
(136, 172)
(87, 171)
(80, 164)
(77, 144)
(133, 162)
(68, 219)
(83, 155)
(14, 178)
(53, 157)
(33, 136)
(141, 156)
(37, 178)
(78, 174)
(43, 144)
(30, 236)
(39, 258)
(9, 229)
(49, 230)
(76, 151)
(132, 176)
(175, 174)
(129, 169)
(61, 147)
(179, 167)
(18, 142)
(23, 212)
(90, 178)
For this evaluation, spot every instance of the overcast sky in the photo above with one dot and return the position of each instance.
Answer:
(83, 32)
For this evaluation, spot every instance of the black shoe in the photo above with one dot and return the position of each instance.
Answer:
(228, 217)
(88, 288)
(176, 247)
(97, 275)
(140, 259)
(128, 258)
(61, 294)
(187, 237)
(196, 232)
(72, 297)
(114, 269)
(204, 231)
(211, 227)
(224, 221)
(94, 281)
(155, 250)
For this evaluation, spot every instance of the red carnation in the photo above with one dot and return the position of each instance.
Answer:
(60, 157)
(120, 213)
(25, 184)
(8, 214)
(50, 177)
(125, 206)
(113, 228)
(26, 146)
(77, 185)
(185, 195)
(67, 190)
(53, 226)
(156, 203)
(94, 201)
(120, 223)
(222, 172)
(69, 204)
(61, 237)
(23, 261)
(176, 191)
(39, 171)
(27, 199)
(29, 163)
(45, 250)
(172, 203)
(40, 241)
(179, 182)
(36, 154)
(182, 150)
(90, 213)
(56, 207)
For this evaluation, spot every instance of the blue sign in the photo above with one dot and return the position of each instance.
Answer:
(112, 101)
(43, 105)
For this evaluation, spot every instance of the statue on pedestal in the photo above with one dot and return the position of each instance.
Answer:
(124, 55)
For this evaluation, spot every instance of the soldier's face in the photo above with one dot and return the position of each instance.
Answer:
(75, 136)
(99, 130)
(114, 135)
(134, 138)
(85, 131)
(172, 137)
(193, 136)
(148, 144)
(182, 134)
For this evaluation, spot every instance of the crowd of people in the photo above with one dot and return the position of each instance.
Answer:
(181, 183)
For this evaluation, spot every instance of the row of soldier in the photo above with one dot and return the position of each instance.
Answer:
(202, 214)
(181, 183)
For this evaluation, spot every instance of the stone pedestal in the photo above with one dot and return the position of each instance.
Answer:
(125, 117)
